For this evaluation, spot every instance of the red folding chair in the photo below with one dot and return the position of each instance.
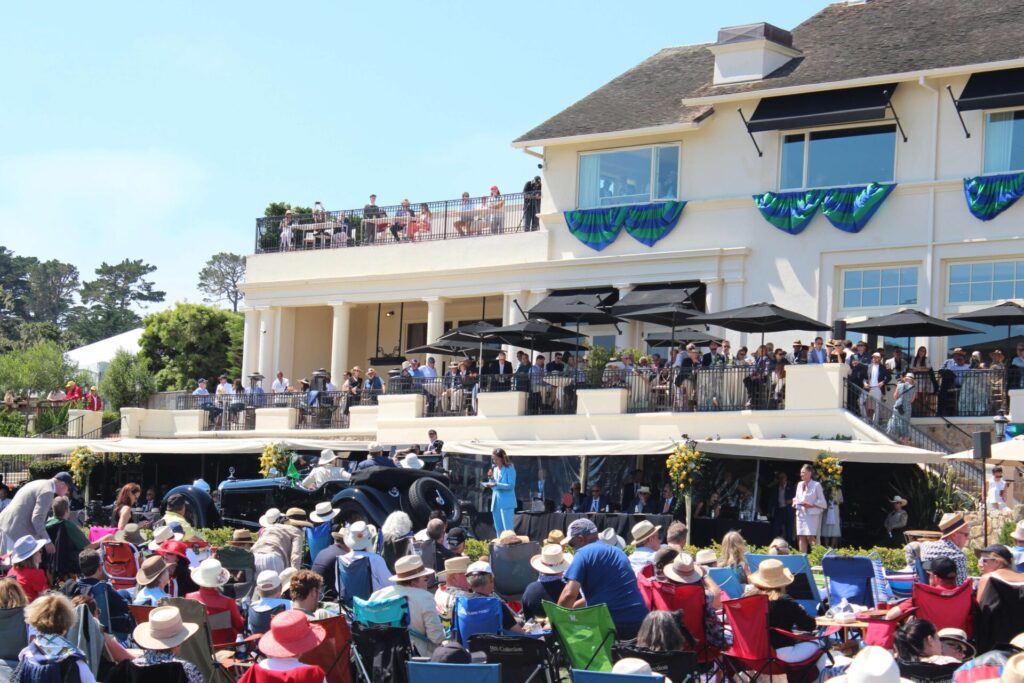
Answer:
(661, 595)
(945, 607)
(751, 649)
(882, 632)
(120, 563)
(334, 653)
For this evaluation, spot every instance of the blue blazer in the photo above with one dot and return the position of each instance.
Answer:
(503, 493)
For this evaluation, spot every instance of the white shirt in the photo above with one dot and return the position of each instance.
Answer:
(279, 386)
(873, 370)
(282, 664)
(995, 491)
(225, 389)
(331, 386)
(640, 558)
(321, 474)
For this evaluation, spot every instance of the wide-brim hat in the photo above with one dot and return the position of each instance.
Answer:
(210, 574)
(408, 568)
(554, 536)
(873, 664)
(412, 462)
(150, 570)
(160, 534)
(455, 565)
(164, 630)
(551, 560)
(270, 517)
(643, 530)
(291, 634)
(706, 556)
(327, 456)
(130, 534)
(297, 517)
(360, 536)
(241, 536)
(771, 574)
(1013, 670)
(25, 547)
(951, 523)
(684, 569)
(610, 537)
(959, 636)
(899, 499)
(323, 512)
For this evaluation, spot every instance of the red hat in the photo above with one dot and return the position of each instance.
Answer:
(290, 635)
(494, 187)
(173, 547)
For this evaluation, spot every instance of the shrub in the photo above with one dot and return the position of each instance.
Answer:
(127, 381)
(45, 469)
(12, 423)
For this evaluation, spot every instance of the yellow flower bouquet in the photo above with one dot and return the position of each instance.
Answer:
(276, 457)
(685, 467)
(81, 462)
(828, 471)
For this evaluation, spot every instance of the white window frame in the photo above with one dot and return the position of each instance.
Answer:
(854, 311)
(984, 139)
(806, 132)
(654, 160)
(975, 262)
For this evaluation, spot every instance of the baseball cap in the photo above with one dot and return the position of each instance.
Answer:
(1000, 551)
(942, 567)
(479, 567)
(66, 479)
(456, 535)
(268, 580)
(579, 527)
(451, 652)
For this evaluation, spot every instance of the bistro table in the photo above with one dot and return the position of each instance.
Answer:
(559, 382)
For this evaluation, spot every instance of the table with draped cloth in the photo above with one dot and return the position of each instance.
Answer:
(536, 525)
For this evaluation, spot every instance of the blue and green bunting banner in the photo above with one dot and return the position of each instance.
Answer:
(988, 196)
(647, 223)
(847, 208)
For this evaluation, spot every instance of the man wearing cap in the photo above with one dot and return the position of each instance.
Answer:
(269, 602)
(376, 457)
(796, 356)
(174, 513)
(643, 504)
(326, 564)
(456, 538)
(603, 574)
(26, 515)
(73, 391)
(359, 539)
(646, 540)
(955, 535)
(454, 585)
(93, 400)
(996, 561)
(410, 580)
(480, 577)
(326, 470)
(941, 572)
(896, 520)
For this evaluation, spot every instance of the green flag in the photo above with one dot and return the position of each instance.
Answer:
(293, 471)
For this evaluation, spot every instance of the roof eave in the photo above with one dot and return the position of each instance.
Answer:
(613, 135)
(852, 83)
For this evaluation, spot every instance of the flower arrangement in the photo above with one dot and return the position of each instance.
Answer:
(82, 461)
(276, 457)
(828, 471)
(685, 466)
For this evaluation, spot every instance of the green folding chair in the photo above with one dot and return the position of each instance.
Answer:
(585, 634)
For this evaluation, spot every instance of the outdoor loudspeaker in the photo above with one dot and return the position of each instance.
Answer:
(839, 329)
(981, 442)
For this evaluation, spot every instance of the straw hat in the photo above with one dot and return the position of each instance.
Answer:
(611, 538)
(410, 567)
(554, 536)
(150, 570)
(130, 534)
(286, 577)
(958, 636)
(771, 574)
(164, 630)
(509, 537)
(412, 462)
(160, 534)
(551, 560)
(270, 517)
(360, 536)
(25, 547)
(899, 499)
(1013, 670)
(327, 456)
(454, 565)
(872, 665)
(323, 512)
(643, 530)
(1018, 533)
(241, 537)
(1018, 641)
(706, 556)
(297, 517)
(951, 523)
(291, 634)
(632, 666)
(268, 580)
(684, 570)
(210, 574)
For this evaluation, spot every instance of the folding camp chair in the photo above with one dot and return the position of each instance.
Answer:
(678, 667)
(690, 600)
(751, 650)
(333, 654)
(945, 607)
(13, 636)
(585, 634)
(512, 569)
(353, 580)
(318, 538)
(803, 589)
(850, 579)
(238, 560)
(728, 579)
(380, 639)
(1000, 615)
(432, 672)
(198, 649)
(471, 616)
(926, 672)
(140, 613)
(580, 676)
(523, 659)
(120, 563)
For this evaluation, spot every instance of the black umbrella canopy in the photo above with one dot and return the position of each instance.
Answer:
(576, 312)
(682, 335)
(1008, 346)
(909, 323)
(665, 314)
(444, 347)
(762, 317)
(1007, 313)
(474, 333)
(529, 328)
(576, 306)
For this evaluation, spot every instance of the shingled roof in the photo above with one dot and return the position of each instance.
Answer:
(842, 42)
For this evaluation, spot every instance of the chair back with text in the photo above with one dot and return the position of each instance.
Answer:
(355, 580)
(523, 659)
(849, 578)
(471, 616)
(803, 589)
(945, 607)
(432, 672)
(690, 600)
(586, 634)
(678, 667)
(728, 579)
(581, 676)
(512, 569)
(120, 563)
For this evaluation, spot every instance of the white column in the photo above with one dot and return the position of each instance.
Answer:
(267, 332)
(435, 317)
(250, 343)
(339, 340)
(628, 334)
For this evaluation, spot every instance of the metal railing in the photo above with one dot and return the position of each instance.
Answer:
(442, 396)
(415, 222)
(224, 413)
(971, 393)
(106, 430)
(65, 430)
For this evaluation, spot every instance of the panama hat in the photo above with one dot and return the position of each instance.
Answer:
(454, 565)
(551, 560)
(771, 574)
(160, 534)
(297, 517)
(291, 634)
(286, 577)
(411, 567)
(360, 536)
(899, 499)
(150, 570)
(241, 537)
(164, 630)
(1013, 670)
(323, 512)
(210, 574)
(951, 523)
(643, 530)
(706, 556)
(611, 538)
(25, 547)
(327, 456)
(554, 536)
(873, 664)
(130, 534)
(270, 517)
(632, 666)
(412, 462)
(958, 636)
(684, 570)
(1018, 533)
(268, 580)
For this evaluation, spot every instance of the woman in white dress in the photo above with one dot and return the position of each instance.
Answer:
(810, 504)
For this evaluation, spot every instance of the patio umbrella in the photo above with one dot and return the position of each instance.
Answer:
(444, 347)
(574, 307)
(909, 323)
(684, 334)
(531, 334)
(1008, 313)
(670, 315)
(474, 333)
(762, 317)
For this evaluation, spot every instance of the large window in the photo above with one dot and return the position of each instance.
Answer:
(978, 283)
(629, 176)
(833, 158)
(875, 287)
(1004, 141)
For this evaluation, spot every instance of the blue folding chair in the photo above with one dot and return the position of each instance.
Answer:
(849, 578)
(318, 538)
(728, 579)
(476, 616)
(803, 589)
(581, 676)
(431, 672)
(354, 580)
(392, 612)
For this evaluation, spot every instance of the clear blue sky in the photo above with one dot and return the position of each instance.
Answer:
(161, 130)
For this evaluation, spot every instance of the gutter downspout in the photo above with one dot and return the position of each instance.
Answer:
(930, 254)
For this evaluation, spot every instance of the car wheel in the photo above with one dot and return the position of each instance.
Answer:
(429, 494)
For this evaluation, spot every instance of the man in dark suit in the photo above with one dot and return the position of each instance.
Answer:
(556, 364)
(712, 357)
(629, 490)
(667, 504)
(779, 501)
(643, 504)
(595, 502)
(501, 370)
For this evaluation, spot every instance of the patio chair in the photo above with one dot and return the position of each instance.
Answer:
(678, 667)
(512, 569)
(803, 589)
(751, 650)
(690, 600)
(472, 616)
(198, 649)
(333, 654)
(728, 579)
(354, 581)
(944, 607)
(882, 632)
(1000, 614)
(849, 578)
(581, 676)
(432, 672)
(523, 659)
(585, 634)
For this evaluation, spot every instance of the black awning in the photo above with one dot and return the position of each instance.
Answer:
(688, 294)
(576, 305)
(822, 108)
(992, 90)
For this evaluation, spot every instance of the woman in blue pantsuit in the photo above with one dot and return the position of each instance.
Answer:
(502, 483)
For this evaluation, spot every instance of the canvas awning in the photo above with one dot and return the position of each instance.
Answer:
(992, 90)
(1010, 451)
(199, 446)
(689, 294)
(822, 108)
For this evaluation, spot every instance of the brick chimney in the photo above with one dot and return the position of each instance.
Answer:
(751, 52)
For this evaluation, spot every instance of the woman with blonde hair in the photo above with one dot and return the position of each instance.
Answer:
(11, 595)
(50, 656)
(733, 554)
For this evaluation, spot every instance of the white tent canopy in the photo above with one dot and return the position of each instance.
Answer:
(13, 446)
(96, 356)
(1005, 451)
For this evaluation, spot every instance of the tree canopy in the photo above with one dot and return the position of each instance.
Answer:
(191, 341)
(127, 381)
(38, 369)
(220, 277)
(107, 301)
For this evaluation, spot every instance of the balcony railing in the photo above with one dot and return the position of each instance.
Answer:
(415, 222)
(973, 393)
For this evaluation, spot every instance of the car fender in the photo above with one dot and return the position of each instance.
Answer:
(200, 504)
(370, 500)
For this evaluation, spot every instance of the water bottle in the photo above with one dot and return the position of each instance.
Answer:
(239, 647)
